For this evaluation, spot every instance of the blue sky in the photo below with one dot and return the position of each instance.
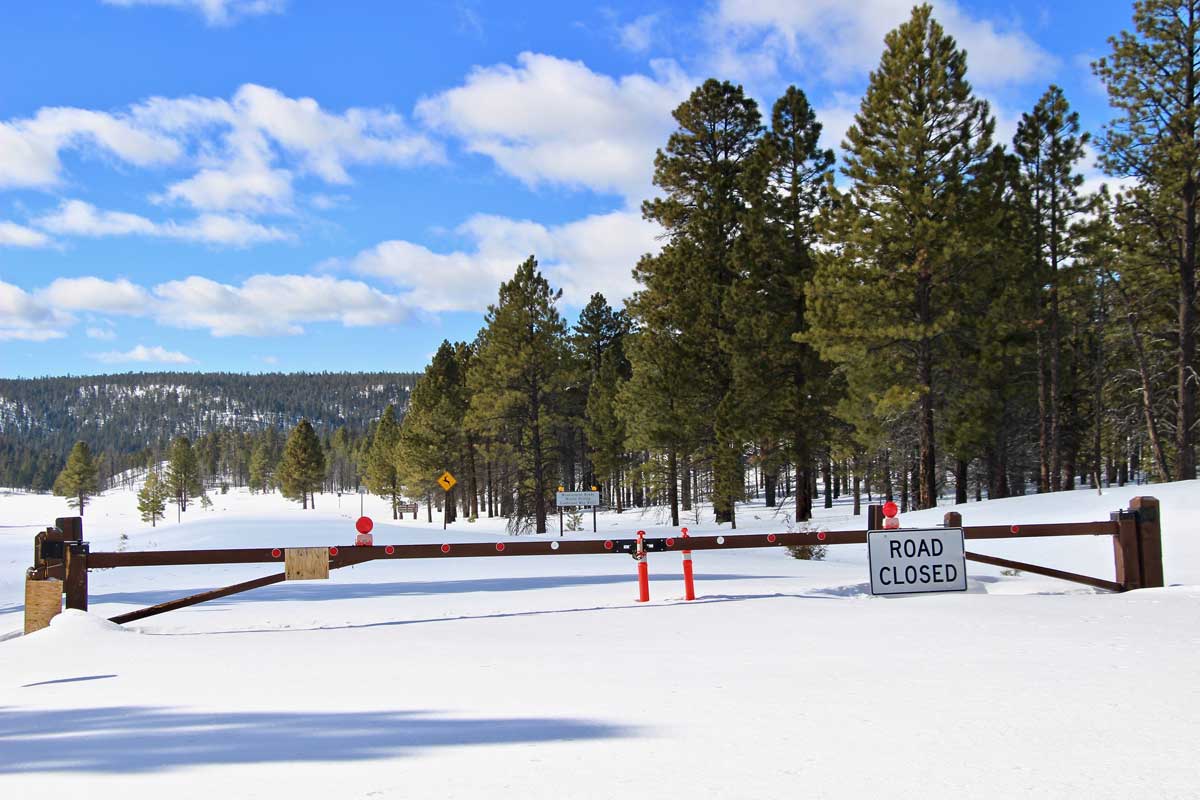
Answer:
(260, 185)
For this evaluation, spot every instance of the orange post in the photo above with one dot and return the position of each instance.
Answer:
(689, 586)
(643, 569)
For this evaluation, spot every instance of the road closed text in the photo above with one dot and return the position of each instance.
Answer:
(911, 561)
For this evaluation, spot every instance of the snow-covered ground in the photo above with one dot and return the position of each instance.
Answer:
(542, 678)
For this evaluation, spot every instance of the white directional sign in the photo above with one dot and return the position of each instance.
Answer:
(565, 499)
(911, 561)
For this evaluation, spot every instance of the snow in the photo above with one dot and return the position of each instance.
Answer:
(542, 678)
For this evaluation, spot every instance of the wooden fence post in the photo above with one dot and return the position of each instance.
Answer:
(1150, 564)
(1125, 550)
(76, 584)
(874, 517)
(952, 519)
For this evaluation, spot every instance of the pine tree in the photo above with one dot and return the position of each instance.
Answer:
(599, 331)
(1153, 81)
(302, 468)
(678, 311)
(516, 384)
(152, 498)
(884, 295)
(606, 433)
(1049, 144)
(262, 463)
(380, 463)
(79, 479)
(781, 392)
(183, 473)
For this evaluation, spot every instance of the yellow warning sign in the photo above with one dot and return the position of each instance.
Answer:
(447, 481)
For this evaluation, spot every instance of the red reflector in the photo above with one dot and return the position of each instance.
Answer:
(670, 542)
(1015, 529)
(608, 545)
(499, 547)
(389, 549)
(275, 553)
(333, 551)
(445, 548)
(770, 537)
(821, 536)
(890, 509)
(364, 525)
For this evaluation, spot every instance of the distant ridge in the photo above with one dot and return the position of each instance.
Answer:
(41, 418)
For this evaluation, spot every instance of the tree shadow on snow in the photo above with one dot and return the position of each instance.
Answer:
(334, 590)
(133, 739)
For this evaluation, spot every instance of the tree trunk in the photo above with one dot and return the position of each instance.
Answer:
(1043, 416)
(960, 480)
(1186, 380)
(673, 485)
(827, 476)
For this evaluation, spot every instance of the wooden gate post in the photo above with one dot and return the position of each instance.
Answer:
(874, 517)
(952, 519)
(1150, 566)
(1125, 550)
(76, 583)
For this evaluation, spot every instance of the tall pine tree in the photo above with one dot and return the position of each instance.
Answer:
(517, 383)
(885, 294)
(1153, 82)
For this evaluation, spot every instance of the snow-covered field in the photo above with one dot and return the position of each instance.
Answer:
(542, 678)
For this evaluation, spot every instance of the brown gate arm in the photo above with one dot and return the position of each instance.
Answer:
(192, 600)
(1099, 583)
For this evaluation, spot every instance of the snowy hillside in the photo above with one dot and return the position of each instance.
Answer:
(540, 677)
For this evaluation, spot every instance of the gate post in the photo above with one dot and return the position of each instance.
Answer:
(1150, 567)
(874, 517)
(1125, 550)
(953, 519)
(76, 583)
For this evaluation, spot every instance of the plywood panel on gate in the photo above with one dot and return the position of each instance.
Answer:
(306, 563)
(43, 602)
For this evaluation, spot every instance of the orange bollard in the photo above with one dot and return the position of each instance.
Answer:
(689, 587)
(643, 569)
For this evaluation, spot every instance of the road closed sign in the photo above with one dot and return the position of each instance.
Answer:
(913, 561)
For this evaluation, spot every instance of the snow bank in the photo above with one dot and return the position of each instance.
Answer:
(542, 678)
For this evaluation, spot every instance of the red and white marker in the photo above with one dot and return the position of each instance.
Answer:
(643, 569)
(364, 525)
(890, 519)
(689, 585)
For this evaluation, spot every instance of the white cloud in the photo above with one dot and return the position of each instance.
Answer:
(595, 254)
(240, 142)
(269, 305)
(844, 40)
(215, 12)
(553, 121)
(262, 305)
(96, 294)
(78, 218)
(30, 147)
(637, 36)
(14, 235)
(144, 355)
(244, 153)
(102, 334)
(24, 318)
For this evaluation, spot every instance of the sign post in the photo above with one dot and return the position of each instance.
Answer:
(585, 499)
(913, 561)
(446, 481)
